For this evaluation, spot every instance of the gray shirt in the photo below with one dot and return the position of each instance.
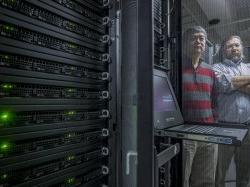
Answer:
(232, 105)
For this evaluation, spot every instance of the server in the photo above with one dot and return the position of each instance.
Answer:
(160, 15)
(55, 93)
(162, 63)
(62, 88)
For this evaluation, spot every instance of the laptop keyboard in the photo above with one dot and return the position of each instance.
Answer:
(200, 129)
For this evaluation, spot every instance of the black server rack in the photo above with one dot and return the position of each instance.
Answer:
(56, 93)
(164, 34)
(161, 36)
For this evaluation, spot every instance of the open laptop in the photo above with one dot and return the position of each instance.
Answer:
(168, 120)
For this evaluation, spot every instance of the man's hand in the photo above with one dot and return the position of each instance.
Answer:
(242, 83)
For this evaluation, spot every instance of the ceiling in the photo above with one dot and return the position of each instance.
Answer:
(234, 16)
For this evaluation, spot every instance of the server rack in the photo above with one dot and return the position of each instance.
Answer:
(167, 58)
(60, 90)
(56, 93)
(161, 62)
(161, 35)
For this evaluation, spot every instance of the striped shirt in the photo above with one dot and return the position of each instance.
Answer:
(233, 105)
(198, 91)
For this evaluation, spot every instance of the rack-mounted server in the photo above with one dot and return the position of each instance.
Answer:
(55, 93)
(160, 34)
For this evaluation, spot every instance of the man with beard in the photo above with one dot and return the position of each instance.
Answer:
(232, 82)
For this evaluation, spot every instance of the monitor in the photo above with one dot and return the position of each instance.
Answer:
(166, 109)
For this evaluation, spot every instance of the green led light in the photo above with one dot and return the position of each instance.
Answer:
(72, 46)
(9, 27)
(6, 57)
(70, 158)
(4, 146)
(7, 86)
(4, 176)
(71, 113)
(71, 90)
(4, 116)
(70, 180)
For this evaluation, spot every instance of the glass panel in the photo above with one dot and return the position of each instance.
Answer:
(216, 88)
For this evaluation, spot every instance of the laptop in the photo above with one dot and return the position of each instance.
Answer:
(168, 120)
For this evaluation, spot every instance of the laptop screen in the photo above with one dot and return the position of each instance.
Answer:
(163, 99)
(166, 108)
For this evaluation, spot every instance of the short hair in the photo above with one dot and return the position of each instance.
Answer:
(187, 36)
(192, 30)
(223, 43)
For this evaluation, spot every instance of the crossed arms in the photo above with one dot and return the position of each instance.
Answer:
(242, 83)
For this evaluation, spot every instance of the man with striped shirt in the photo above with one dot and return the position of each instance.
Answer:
(199, 158)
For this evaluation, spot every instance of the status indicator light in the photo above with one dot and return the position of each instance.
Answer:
(70, 180)
(4, 116)
(70, 158)
(7, 86)
(9, 27)
(71, 90)
(4, 176)
(4, 146)
(72, 46)
(69, 135)
(71, 113)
